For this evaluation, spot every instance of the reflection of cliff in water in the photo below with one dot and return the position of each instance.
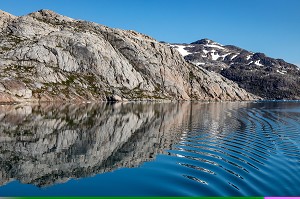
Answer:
(46, 144)
(215, 118)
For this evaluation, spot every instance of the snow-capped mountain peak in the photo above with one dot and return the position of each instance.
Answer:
(255, 72)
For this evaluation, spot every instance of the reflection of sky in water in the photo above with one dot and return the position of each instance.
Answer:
(160, 149)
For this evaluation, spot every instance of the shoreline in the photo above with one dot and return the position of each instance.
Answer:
(60, 102)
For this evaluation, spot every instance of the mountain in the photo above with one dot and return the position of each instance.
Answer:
(45, 56)
(257, 73)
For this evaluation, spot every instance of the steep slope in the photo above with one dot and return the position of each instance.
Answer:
(45, 56)
(255, 72)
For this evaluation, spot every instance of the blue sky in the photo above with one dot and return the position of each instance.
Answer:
(268, 26)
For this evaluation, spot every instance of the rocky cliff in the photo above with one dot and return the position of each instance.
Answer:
(257, 73)
(45, 56)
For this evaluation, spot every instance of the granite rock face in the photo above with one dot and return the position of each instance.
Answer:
(52, 57)
(257, 73)
(5, 19)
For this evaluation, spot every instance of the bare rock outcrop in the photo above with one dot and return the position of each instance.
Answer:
(51, 57)
(5, 18)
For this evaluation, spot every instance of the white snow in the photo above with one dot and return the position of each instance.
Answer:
(215, 56)
(181, 49)
(281, 72)
(250, 62)
(199, 63)
(214, 46)
(248, 57)
(234, 56)
(205, 51)
(258, 63)
(223, 56)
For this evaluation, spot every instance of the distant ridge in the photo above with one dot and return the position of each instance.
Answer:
(257, 73)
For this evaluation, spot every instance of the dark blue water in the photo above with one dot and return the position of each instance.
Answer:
(143, 149)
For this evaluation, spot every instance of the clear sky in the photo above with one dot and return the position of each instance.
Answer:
(268, 26)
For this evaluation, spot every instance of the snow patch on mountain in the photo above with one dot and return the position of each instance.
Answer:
(254, 71)
(199, 63)
(225, 55)
(234, 56)
(181, 49)
(205, 51)
(214, 46)
(281, 72)
(258, 63)
(215, 56)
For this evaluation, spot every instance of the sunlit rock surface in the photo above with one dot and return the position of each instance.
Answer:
(45, 56)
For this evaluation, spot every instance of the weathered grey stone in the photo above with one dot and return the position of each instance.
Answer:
(2, 88)
(59, 58)
(5, 18)
(15, 88)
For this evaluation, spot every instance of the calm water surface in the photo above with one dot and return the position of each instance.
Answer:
(164, 149)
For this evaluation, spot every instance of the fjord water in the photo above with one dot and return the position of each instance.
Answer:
(143, 149)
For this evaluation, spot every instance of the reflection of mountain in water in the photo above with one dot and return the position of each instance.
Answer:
(46, 144)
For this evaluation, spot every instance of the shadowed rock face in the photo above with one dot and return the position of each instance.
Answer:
(46, 144)
(45, 56)
(257, 73)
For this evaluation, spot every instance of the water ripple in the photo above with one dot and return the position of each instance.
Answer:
(253, 150)
(165, 149)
